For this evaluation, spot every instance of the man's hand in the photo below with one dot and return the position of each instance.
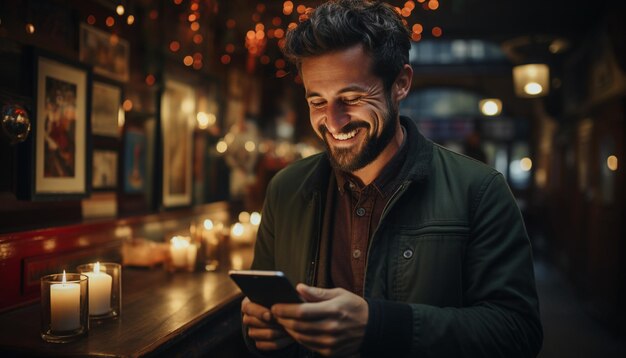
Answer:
(332, 321)
(262, 328)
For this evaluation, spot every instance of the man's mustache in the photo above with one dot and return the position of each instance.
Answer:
(346, 129)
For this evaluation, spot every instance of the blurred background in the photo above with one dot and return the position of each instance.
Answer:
(192, 103)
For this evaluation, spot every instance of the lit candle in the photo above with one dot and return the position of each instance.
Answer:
(99, 291)
(65, 305)
(237, 232)
(178, 250)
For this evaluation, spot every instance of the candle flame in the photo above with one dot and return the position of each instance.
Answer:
(179, 241)
(255, 218)
(64, 281)
(237, 229)
(96, 267)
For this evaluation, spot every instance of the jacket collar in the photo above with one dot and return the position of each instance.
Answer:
(416, 168)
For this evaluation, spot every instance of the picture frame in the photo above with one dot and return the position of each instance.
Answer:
(55, 162)
(106, 109)
(178, 104)
(134, 166)
(107, 53)
(104, 172)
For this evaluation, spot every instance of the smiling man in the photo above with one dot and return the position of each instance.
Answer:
(400, 247)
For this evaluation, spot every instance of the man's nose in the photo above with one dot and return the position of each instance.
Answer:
(336, 117)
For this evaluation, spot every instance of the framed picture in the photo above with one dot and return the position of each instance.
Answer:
(135, 153)
(104, 172)
(177, 121)
(105, 51)
(57, 162)
(105, 109)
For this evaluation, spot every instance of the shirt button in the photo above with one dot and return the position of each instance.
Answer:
(407, 254)
(356, 253)
(360, 211)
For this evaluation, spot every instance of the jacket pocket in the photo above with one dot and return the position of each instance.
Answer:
(426, 265)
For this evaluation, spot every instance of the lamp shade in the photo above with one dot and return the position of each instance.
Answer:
(531, 80)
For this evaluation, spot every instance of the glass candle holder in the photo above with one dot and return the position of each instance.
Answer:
(182, 254)
(64, 307)
(105, 289)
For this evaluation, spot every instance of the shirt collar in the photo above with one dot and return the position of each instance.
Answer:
(387, 180)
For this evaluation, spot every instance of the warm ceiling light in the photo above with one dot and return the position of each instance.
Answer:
(30, 28)
(531, 80)
(150, 79)
(611, 162)
(225, 59)
(127, 105)
(174, 46)
(197, 39)
(533, 88)
(120, 9)
(130, 19)
(418, 28)
(525, 164)
(188, 60)
(195, 26)
(110, 21)
(433, 4)
(91, 19)
(437, 31)
(221, 147)
(490, 106)
(410, 5)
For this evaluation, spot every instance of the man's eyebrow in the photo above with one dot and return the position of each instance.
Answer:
(352, 88)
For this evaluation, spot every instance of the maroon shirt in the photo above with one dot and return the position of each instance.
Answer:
(358, 209)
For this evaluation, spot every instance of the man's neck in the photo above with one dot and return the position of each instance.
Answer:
(371, 171)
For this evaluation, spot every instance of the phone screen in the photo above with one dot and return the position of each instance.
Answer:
(265, 287)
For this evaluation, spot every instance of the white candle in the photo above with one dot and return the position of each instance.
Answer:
(65, 305)
(178, 250)
(99, 291)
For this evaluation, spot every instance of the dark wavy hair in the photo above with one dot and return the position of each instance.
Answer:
(340, 24)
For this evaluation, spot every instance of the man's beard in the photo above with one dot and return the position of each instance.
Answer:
(358, 156)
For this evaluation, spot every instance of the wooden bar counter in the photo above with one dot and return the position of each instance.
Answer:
(163, 314)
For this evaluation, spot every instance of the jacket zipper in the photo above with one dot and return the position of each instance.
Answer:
(316, 244)
(390, 203)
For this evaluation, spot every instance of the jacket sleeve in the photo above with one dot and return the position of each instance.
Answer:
(264, 260)
(500, 313)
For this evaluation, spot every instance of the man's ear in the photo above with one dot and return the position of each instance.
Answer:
(402, 84)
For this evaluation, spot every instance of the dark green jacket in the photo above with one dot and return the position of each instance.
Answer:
(451, 246)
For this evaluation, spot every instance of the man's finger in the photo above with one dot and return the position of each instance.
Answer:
(306, 311)
(250, 308)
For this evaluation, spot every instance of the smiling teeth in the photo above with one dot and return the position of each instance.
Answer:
(344, 136)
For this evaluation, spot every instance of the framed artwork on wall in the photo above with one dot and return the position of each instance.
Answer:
(135, 153)
(105, 51)
(105, 109)
(104, 172)
(178, 105)
(57, 158)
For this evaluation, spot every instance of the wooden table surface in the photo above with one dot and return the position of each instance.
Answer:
(158, 310)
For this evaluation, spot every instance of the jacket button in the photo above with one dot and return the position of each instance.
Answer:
(356, 253)
(407, 254)
(360, 211)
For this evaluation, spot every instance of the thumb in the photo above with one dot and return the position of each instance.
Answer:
(315, 294)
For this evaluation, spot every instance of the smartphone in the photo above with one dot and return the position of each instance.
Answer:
(265, 287)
